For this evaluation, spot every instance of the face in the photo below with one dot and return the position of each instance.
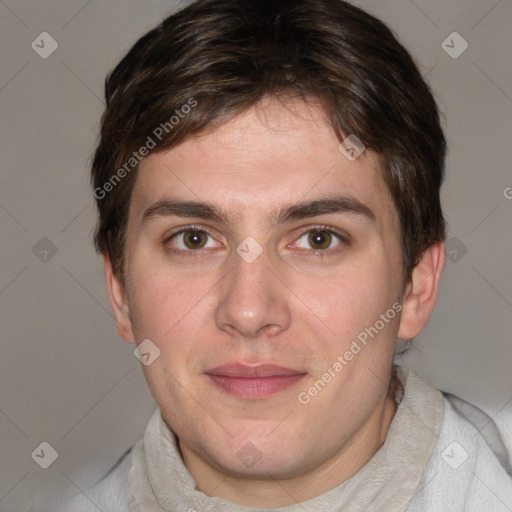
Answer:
(257, 257)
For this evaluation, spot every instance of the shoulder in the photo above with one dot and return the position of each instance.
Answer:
(479, 426)
(110, 493)
(470, 467)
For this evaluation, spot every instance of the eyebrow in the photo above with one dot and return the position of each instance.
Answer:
(296, 211)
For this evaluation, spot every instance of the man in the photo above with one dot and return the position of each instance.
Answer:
(267, 182)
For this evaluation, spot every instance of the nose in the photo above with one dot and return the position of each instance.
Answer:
(253, 301)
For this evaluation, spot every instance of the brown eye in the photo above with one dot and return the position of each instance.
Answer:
(195, 239)
(320, 239)
(190, 241)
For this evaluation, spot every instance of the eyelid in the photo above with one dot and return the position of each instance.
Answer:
(324, 227)
(182, 229)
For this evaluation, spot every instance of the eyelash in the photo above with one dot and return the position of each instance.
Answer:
(320, 253)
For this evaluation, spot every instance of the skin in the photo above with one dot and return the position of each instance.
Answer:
(297, 305)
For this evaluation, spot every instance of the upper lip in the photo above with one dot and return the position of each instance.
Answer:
(252, 371)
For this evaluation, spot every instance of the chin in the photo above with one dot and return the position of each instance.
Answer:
(258, 457)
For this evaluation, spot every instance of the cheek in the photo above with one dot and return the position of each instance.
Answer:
(349, 302)
(165, 304)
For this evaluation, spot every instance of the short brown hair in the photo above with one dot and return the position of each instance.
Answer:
(226, 55)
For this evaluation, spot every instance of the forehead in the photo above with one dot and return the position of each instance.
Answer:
(272, 154)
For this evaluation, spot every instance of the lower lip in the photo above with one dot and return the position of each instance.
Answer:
(255, 387)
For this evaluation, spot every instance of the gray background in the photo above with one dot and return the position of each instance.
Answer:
(65, 376)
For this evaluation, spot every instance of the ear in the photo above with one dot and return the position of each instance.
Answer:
(119, 303)
(421, 292)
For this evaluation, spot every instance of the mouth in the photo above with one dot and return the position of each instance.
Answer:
(254, 382)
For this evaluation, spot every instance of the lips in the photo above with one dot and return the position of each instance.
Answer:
(258, 381)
